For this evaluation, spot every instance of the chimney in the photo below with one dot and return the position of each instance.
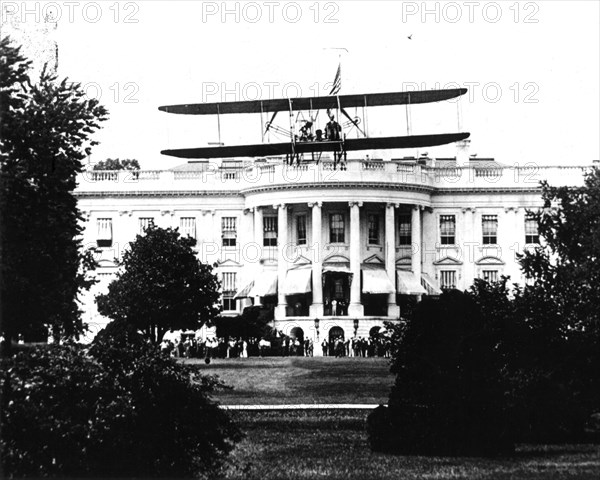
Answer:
(462, 153)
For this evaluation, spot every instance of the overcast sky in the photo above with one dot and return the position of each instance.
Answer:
(532, 69)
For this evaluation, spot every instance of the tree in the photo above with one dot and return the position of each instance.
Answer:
(252, 323)
(46, 129)
(162, 285)
(117, 164)
(562, 304)
(119, 410)
(449, 394)
(567, 265)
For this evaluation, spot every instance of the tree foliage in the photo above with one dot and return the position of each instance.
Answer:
(117, 164)
(46, 129)
(562, 303)
(122, 410)
(566, 269)
(252, 323)
(162, 285)
(448, 397)
(479, 370)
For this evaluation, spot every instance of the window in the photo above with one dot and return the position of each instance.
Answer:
(145, 222)
(270, 231)
(229, 290)
(228, 303)
(404, 230)
(531, 230)
(301, 229)
(104, 237)
(373, 229)
(336, 228)
(229, 279)
(447, 279)
(228, 231)
(188, 227)
(489, 224)
(447, 229)
(490, 275)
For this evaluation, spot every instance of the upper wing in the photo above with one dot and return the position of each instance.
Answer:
(268, 149)
(316, 103)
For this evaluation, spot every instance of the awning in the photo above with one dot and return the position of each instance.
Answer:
(430, 285)
(409, 284)
(336, 267)
(244, 292)
(264, 285)
(376, 281)
(297, 281)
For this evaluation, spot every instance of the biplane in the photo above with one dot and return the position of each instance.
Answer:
(307, 138)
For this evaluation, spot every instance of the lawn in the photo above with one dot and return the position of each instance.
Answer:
(293, 380)
(333, 445)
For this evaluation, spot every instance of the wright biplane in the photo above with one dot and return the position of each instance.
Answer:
(308, 139)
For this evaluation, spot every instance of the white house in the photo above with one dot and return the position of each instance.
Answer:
(332, 251)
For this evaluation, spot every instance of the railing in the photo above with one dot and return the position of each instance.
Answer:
(528, 176)
(373, 165)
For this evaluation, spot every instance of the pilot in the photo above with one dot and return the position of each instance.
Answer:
(305, 131)
(319, 135)
(332, 129)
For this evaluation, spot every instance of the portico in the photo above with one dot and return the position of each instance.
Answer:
(344, 262)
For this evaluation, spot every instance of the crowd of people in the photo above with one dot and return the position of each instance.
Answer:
(373, 346)
(191, 345)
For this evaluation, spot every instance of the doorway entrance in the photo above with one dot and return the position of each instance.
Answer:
(336, 293)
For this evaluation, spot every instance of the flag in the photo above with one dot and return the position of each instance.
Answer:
(337, 81)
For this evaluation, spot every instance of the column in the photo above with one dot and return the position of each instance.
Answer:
(390, 257)
(282, 244)
(316, 309)
(416, 243)
(355, 308)
(470, 244)
(258, 240)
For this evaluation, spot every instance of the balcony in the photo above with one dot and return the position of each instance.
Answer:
(354, 172)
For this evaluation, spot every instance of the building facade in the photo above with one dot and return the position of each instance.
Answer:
(335, 252)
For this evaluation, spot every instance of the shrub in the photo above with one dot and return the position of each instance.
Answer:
(448, 398)
(121, 410)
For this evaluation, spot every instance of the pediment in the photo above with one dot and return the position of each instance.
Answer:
(448, 261)
(374, 260)
(302, 260)
(489, 261)
(404, 262)
(336, 259)
(228, 263)
(105, 263)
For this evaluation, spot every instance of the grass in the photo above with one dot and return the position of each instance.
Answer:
(328, 444)
(292, 380)
(333, 445)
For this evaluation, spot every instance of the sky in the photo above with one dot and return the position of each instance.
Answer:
(532, 69)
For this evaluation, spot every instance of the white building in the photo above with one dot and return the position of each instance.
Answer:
(332, 251)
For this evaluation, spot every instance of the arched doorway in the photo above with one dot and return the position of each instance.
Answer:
(297, 335)
(336, 338)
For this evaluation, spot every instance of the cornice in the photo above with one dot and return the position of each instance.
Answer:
(161, 193)
(405, 187)
(466, 191)
(411, 187)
